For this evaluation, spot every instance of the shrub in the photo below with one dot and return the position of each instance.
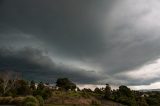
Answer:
(18, 101)
(30, 104)
(85, 95)
(45, 93)
(30, 101)
(5, 100)
(40, 99)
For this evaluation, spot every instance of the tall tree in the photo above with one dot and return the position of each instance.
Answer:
(65, 84)
(8, 79)
(107, 91)
(41, 86)
(43, 91)
(32, 85)
(98, 90)
(22, 87)
(125, 91)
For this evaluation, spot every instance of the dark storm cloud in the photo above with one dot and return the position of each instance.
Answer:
(1, 2)
(69, 26)
(109, 36)
(36, 64)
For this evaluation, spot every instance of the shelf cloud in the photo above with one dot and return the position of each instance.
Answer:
(91, 42)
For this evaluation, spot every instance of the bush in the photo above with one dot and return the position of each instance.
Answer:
(6, 100)
(127, 101)
(40, 99)
(45, 93)
(30, 101)
(18, 101)
(85, 95)
(30, 104)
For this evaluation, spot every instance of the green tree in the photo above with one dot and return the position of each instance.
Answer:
(43, 91)
(107, 91)
(87, 90)
(32, 85)
(125, 91)
(126, 96)
(40, 86)
(98, 91)
(142, 101)
(22, 87)
(65, 84)
(78, 89)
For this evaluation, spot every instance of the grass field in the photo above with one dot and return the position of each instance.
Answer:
(54, 105)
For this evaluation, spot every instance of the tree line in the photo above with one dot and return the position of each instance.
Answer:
(12, 85)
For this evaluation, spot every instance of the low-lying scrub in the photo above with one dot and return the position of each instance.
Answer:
(30, 101)
(22, 101)
(6, 100)
(72, 98)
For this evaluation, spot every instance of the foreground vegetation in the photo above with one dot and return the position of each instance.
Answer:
(16, 91)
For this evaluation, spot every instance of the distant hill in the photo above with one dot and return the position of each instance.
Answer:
(149, 90)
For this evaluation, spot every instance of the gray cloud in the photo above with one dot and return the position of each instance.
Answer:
(36, 64)
(108, 36)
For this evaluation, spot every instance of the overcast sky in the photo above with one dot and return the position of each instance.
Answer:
(89, 41)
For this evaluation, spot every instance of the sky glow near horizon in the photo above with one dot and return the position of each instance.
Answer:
(90, 42)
